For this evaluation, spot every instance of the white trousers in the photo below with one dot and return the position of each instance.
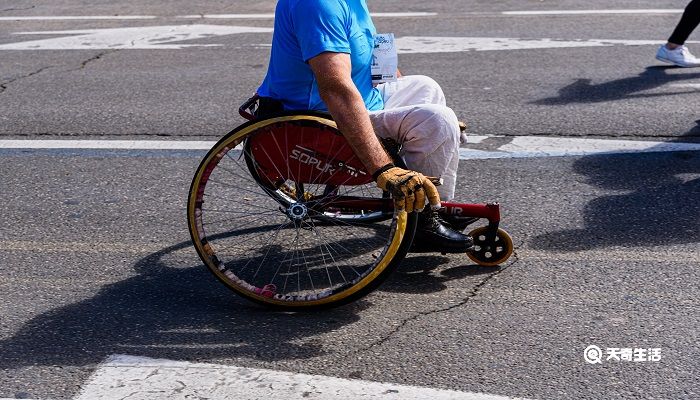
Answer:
(415, 114)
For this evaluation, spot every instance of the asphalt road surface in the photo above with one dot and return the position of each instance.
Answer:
(96, 260)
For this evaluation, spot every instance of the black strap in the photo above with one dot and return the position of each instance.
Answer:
(382, 170)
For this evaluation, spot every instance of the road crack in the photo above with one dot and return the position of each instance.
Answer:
(18, 9)
(94, 58)
(472, 294)
(3, 85)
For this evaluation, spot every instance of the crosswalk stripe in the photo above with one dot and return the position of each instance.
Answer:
(124, 376)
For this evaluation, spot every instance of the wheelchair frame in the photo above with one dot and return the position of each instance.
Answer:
(459, 214)
(351, 241)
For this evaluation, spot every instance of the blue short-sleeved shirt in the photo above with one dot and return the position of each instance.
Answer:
(307, 28)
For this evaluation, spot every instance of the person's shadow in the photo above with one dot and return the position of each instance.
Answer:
(582, 91)
(658, 201)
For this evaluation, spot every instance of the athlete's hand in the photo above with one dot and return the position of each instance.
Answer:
(408, 188)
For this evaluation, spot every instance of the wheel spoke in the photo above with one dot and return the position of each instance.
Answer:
(260, 235)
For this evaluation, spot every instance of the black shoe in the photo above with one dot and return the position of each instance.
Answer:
(457, 223)
(434, 234)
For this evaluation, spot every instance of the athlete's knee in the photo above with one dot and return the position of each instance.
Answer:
(446, 119)
(444, 122)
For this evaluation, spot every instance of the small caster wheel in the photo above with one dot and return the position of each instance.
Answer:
(493, 253)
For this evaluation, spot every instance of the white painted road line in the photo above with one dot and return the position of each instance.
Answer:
(588, 12)
(160, 37)
(227, 16)
(108, 144)
(150, 37)
(79, 18)
(153, 379)
(402, 14)
(374, 15)
(517, 147)
(272, 16)
(536, 146)
(193, 16)
(423, 44)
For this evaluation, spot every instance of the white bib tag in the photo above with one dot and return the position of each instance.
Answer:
(385, 60)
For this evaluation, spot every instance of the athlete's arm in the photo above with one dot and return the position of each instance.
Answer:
(338, 91)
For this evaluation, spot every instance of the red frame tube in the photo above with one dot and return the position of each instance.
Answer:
(490, 211)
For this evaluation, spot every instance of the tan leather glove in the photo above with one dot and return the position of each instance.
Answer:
(408, 189)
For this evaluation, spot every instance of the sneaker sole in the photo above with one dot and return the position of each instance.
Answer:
(667, 61)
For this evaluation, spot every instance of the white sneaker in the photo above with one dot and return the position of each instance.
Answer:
(679, 56)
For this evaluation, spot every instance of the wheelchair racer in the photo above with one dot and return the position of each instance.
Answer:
(321, 60)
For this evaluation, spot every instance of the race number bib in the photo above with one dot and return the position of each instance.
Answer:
(385, 61)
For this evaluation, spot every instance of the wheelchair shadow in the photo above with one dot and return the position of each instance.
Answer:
(175, 310)
(169, 310)
(422, 274)
(582, 91)
(658, 201)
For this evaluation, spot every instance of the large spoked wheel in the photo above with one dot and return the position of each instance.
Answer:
(490, 252)
(264, 221)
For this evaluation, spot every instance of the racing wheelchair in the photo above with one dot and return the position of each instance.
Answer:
(284, 214)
